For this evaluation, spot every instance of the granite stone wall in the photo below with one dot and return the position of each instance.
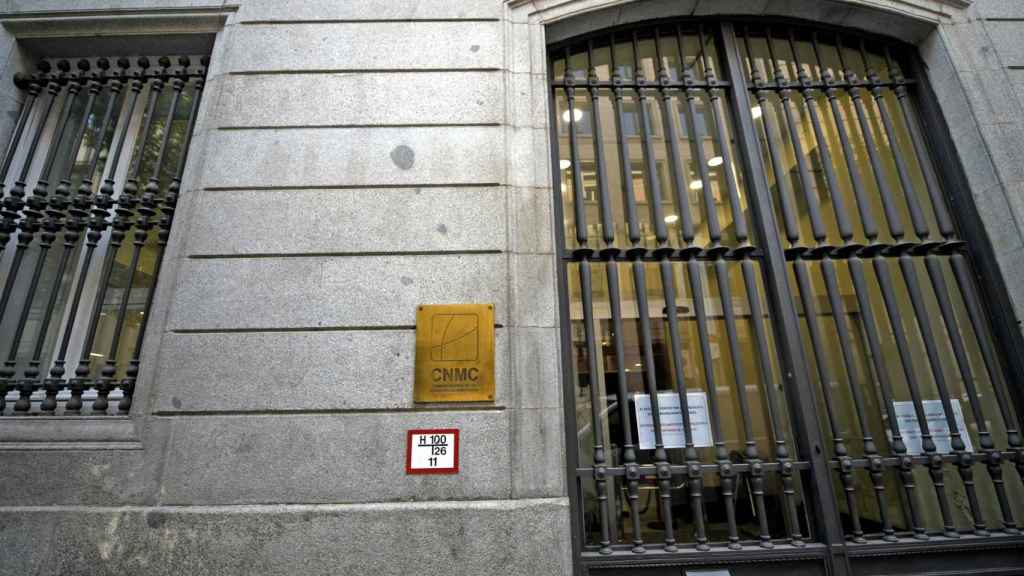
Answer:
(353, 159)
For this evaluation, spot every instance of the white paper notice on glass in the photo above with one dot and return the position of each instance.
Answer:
(906, 422)
(672, 420)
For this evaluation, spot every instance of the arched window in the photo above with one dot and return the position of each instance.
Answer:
(775, 334)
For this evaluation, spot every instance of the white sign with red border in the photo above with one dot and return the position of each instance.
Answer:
(432, 451)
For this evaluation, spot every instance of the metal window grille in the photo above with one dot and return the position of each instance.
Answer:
(103, 144)
(736, 201)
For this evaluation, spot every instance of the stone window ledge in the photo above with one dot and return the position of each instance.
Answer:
(71, 23)
(68, 433)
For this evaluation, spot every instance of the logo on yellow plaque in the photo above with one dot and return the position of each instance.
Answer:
(454, 353)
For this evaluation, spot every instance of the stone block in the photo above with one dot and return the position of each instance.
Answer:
(329, 458)
(970, 47)
(534, 295)
(825, 12)
(83, 477)
(332, 292)
(352, 46)
(529, 157)
(1011, 263)
(999, 8)
(352, 157)
(526, 537)
(1017, 79)
(538, 455)
(997, 215)
(1005, 148)
(376, 10)
(714, 7)
(536, 365)
(531, 221)
(974, 156)
(1015, 197)
(528, 95)
(263, 372)
(1008, 41)
(370, 99)
(347, 221)
(893, 22)
(993, 99)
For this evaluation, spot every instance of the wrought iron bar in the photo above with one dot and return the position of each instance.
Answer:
(668, 285)
(803, 170)
(9, 207)
(836, 194)
(75, 223)
(725, 470)
(122, 222)
(145, 206)
(625, 164)
(826, 378)
(675, 164)
(867, 220)
(775, 155)
(607, 221)
(855, 384)
(793, 362)
(697, 134)
(49, 220)
(956, 441)
(856, 267)
(596, 405)
(942, 217)
(750, 452)
(663, 469)
(97, 225)
(892, 216)
(579, 197)
(774, 411)
(647, 146)
(917, 218)
(14, 203)
(714, 91)
(910, 374)
(964, 460)
(628, 448)
(972, 304)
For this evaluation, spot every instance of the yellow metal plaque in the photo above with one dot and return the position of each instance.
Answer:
(454, 353)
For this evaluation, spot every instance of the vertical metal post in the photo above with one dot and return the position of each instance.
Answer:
(827, 163)
(677, 171)
(628, 448)
(793, 362)
(774, 153)
(663, 469)
(647, 146)
(578, 195)
(625, 163)
(750, 453)
(739, 219)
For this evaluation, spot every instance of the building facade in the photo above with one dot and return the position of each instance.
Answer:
(756, 270)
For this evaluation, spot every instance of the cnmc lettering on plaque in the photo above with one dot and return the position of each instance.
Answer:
(455, 374)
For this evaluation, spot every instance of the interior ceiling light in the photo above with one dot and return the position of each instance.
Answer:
(716, 161)
(696, 185)
(756, 112)
(577, 115)
(564, 164)
(671, 219)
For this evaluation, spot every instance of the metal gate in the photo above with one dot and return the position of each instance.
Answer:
(777, 353)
